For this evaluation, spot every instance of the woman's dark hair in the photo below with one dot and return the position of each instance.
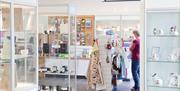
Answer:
(136, 33)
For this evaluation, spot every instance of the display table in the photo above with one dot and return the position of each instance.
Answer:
(82, 66)
(26, 87)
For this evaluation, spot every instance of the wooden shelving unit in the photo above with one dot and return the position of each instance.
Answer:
(85, 25)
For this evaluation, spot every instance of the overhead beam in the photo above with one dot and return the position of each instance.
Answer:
(119, 0)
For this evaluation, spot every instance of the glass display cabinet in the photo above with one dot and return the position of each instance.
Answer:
(18, 45)
(162, 50)
(59, 52)
(5, 60)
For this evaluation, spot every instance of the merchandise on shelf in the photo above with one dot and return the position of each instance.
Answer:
(174, 80)
(174, 55)
(157, 81)
(173, 31)
(162, 50)
(158, 31)
(85, 30)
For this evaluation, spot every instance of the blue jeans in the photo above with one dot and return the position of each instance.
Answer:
(135, 72)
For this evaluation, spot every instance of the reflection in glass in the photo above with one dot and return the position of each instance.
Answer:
(4, 46)
(25, 45)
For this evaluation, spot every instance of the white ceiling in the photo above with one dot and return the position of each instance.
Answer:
(66, 1)
(98, 7)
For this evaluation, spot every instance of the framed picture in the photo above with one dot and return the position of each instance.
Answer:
(88, 23)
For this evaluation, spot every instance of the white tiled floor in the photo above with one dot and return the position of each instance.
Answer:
(82, 84)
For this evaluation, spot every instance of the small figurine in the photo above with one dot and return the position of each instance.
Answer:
(54, 69)
(158, 31)
(173, 31)
(155, 57)
(161, 32)
(175, 55)
(174, 80)
(155, 31)
(157, 80)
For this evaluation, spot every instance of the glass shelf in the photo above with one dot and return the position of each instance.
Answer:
(163, 35)
(58, 73)
(164, 61)
(17, 57)
(4, 62)
(163, 87)
(162, 50)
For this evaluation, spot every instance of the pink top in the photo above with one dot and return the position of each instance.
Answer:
(136, 50)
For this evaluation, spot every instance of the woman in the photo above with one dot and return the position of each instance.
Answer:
(135, 50)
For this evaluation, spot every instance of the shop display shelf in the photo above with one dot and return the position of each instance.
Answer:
(49, 73)
(24, 43)
(162, 50)
(22, 56)
(164, 61)
(4, 61)
(163, 36)
(18, 57)
(154, 86)
(26, 87)
(58, 73)
(72, 58)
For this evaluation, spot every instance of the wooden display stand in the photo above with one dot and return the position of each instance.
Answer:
(41, 64)
(87, 27)
(4, 82)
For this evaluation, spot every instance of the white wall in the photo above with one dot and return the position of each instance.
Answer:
(97, 7)
(53, 10)
(162, 4)
(109, 9)
(29, 2)
(116, 17)
(43, 23)
(23, 2)
(6, 0)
